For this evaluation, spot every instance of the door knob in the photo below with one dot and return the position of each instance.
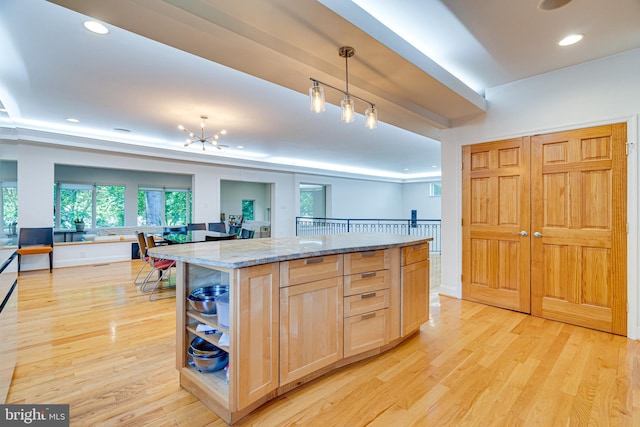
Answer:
(537, 235)
(523, 233)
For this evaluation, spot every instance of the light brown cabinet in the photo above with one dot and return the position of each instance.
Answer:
(311, 328)
(292, 321)
(252, 336)
(256, 333)
(415, 287)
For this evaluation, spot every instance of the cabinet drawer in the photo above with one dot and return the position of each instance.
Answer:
(366, 332)
(360, 262)
(364, 303)
(310, 269)
(415, 253)
(366, 282)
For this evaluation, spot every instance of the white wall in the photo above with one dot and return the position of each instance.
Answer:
(232, 193)
(416, 196)
(356, 198)
(598, 92)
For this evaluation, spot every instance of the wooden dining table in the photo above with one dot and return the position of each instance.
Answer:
(195, 236)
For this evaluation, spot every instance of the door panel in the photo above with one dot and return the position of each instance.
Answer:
(579, 196)
(575, 272)
(496, 208)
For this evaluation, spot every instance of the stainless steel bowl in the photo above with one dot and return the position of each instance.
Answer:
(204, 299)
(202, 347)
(209, 363)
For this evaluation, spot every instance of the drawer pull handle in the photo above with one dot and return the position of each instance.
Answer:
(368, 295)
(367, 316)
(367, 254)
(316, 260)
(367, 275)
(417, 247)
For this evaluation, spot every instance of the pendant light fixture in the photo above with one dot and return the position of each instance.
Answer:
(212, 139)
(347, 106)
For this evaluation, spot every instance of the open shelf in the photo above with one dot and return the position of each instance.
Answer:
(212, 338)
(215, 382)
(207, 320)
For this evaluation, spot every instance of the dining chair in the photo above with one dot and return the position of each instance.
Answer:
(142, 253)
(196, 226)
(180, 229)
(246, 233)
(234, 230)
(160, 266)
(218, 226)
(33, 241)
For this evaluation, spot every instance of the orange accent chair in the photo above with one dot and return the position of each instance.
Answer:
(35, 241)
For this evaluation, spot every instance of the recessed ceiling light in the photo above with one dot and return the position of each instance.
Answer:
(551, 4)
(240, 146)
(72, 120)
(405, 169)
(96, 27)
(434, 166)
(571, 39)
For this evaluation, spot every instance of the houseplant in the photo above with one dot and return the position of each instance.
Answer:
(79, 223)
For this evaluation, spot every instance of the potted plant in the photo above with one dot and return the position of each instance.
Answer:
(79, 223)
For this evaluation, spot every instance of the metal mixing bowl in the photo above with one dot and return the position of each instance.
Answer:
(202, 347)
(209, 363)
(204, 299)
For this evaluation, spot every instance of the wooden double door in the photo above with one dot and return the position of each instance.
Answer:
(544, 226)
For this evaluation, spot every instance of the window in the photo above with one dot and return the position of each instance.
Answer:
(9, 207)
(312, 200)
(109, 206)
(95, 205)
(164, 206)
(435, 189)
(247, 209)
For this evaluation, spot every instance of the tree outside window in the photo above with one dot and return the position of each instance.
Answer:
(164, 207)
(95, 205)
(9, 207)
(247, 209)
(109, 206)
(313, 200)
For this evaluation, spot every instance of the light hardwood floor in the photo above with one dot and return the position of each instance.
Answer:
(90, 339)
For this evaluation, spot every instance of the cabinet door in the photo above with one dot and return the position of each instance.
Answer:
(256, 333)
(310, 327)
(415, 296)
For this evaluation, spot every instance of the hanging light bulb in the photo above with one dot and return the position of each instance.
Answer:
(348, 109)
(371, 116)
(347, 106)
(316, 98)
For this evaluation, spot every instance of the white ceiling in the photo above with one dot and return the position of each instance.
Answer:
(166, 62)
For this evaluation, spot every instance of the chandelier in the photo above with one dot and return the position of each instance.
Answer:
(347, 106)
(212, 139)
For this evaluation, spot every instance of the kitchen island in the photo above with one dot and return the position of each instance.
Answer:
(299, 307)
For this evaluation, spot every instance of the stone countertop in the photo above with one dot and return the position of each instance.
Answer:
(247, 252)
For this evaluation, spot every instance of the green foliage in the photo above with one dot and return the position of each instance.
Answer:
(247, 209)
(174, 205)
(75, 203)
(306, 204)
(9, 206)
(109, 206)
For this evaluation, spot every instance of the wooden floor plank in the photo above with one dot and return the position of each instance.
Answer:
(90, 338)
